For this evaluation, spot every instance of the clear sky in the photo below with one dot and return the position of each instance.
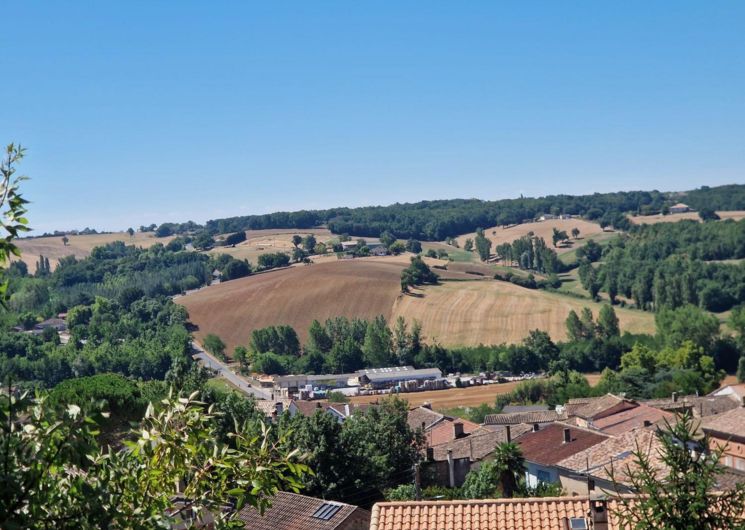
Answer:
(136, 112)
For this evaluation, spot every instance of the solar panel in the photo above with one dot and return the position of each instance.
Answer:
(577, 523)
(326, 511)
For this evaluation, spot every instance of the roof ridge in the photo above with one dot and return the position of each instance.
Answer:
(514, 500)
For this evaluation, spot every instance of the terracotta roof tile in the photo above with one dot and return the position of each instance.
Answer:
(631, 419)
(540, 416)
(478, 445)
(701, 406)
(444, 431)
(603, 406)
(547, 446)
(615, 452)
(730, 423)
(518, 514)
(423, 416)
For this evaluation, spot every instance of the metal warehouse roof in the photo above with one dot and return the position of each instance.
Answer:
(399, 372)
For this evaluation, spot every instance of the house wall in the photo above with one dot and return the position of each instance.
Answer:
(734, 452)
(437, 472)
(357, 520)
(536, 473)
(575, 485)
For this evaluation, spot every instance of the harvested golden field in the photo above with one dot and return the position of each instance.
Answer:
(260, 242)
(78, 246)
(492, 312)
(459, 397)
(675, 217)
(452, 397)
(362, 288)
(544, 229)
(296, 295)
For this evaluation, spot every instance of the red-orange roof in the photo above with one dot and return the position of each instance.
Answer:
(513, 514)
(444, 431)
(547, 446)
(631, 419)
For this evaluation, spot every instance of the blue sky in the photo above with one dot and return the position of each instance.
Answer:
(149, 111)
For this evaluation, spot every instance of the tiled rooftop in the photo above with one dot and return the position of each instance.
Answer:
(444, 432)
(603, 406)
(290, 511)
(499, 514)
(513, 418)
(615, 453)
(730, 423)
(547, 446)
(423, 416)
(701, 406)
(631, 419)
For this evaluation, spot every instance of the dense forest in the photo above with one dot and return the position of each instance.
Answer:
(673, 264)
(437, 220)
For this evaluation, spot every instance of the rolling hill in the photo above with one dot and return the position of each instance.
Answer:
(455, 312)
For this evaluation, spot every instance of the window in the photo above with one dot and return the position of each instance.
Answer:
(577, 523)
(543, 476)
(326, 511)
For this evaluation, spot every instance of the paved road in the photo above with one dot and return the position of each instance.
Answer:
(212, 362)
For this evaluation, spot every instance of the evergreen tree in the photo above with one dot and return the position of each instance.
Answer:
(377, 346)
(608, 322)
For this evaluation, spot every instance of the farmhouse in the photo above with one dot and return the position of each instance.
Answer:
(680, 208)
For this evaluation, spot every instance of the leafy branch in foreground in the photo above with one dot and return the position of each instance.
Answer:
(12, 206)
(678, 484)
(173, 467)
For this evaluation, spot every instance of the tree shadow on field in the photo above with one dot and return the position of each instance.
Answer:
(414, 295)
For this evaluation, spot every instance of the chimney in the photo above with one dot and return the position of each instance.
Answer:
(675, 397)
(599, 513)
(567, 435)
(427, 405)
(508, 433)
(647, 423)
(451, 468)
(536, 427)
(458, 429)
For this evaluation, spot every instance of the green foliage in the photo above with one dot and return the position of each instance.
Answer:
(686, 323)
(499, 477)
(417, 273)
(530, 253)
(483, 245)
(741, 369)
(282, 340)
(56, 476)
(684, 497)
(214, 344)
(670, 265)
(235, 238)
(378, 445)
(123, 397)
(413, 246)
(273, 260)
(468, 245)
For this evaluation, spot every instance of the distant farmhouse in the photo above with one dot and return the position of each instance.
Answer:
(680, 208)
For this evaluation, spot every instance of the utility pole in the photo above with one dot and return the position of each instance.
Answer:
(417, 483)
